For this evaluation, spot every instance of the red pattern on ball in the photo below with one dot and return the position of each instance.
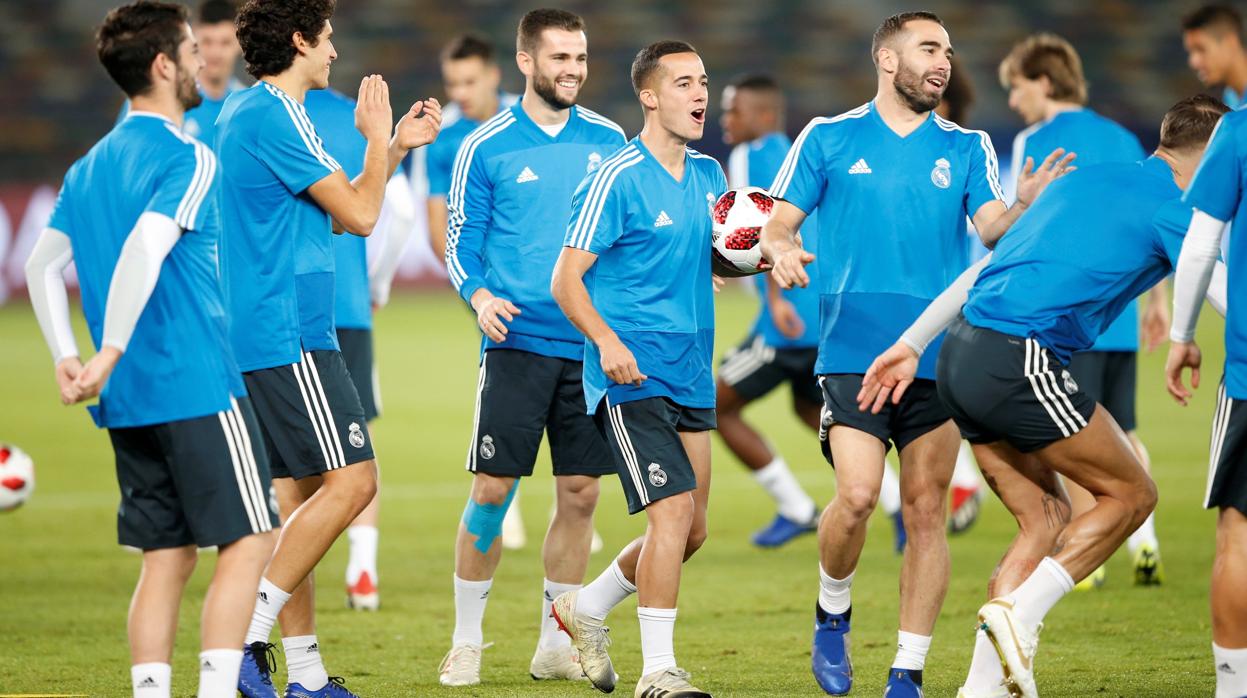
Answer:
(742, 238)
(722, 206)
(762, 201)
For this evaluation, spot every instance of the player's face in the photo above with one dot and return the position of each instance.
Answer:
(560, 67)
(923, 65)
(682, 91)
(218, 44)
(1208, 55)
(189, 63)
(743, 112)
(472, 83)
(320, 57)
(1027, 98)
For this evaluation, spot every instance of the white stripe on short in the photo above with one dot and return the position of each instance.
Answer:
(743, 362)
(240, 476)
(334, 442)
(253, 469)
(1220, 424)
(476, 415)
(312, 405)
(1042, 390)
(629, 453)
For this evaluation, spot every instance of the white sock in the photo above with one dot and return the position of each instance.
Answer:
(911, 651)
(269, 601)
(779, 482)
(151, 680)
(363, 553)
(985, 670)
(1145, 535)
(551, 636)
(470, 600)
(598, 597)
(833, 594)
(1040, 592)
(966, 472)
(218, 673)
(657, 638)
(304, 665)
(1231, 671)
(890, 491)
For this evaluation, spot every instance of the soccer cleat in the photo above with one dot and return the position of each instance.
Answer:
(461, 666)
(560, 664)
(1093, 581)
(967, 502)
(255, 674)
(1000, 692)
(829, 659)
(1147, 567)
(336, 688)
(363, 595)
(1016, 645)
(898, 529)
(668, 683)
(782, 530)
(590, 638)
(903, 683)
(513, 535)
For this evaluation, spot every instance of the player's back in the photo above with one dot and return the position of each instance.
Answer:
(178, 363)
(1095, 240)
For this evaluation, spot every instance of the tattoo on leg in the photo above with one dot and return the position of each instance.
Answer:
(1056, 512)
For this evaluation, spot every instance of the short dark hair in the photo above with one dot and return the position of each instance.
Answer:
(760, 82)
(532, 24)
(1189, 123)
(468, 46)
(133, 35)
(895, 25)
(1218, 16)
(217, 11)
(959, 93)
(266, 28)
(1050, 56)
(647, 60)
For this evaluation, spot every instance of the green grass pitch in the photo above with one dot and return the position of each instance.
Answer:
(745, 614)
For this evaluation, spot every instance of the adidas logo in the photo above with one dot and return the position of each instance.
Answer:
(663, 219)
(262, 596)
(527, 176)
(860, 167)
(314, 647)
(1226, 669)
(207, 666)
(549, 598)
(148, 682)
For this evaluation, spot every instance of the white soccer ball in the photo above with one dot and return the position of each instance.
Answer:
(738, 218)
(17, 477)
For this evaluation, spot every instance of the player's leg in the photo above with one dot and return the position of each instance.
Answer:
(890, 503)
(362, 535)
(297, 619)
(1227, 492)
(153, 619)
(1089, 369)
(966, 492)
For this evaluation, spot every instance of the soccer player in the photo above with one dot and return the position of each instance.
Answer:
(138, 216)
(510, 197)
(1044, 78)
(1048, 291)
(783, 344)
(893, 185)
(634, 277)
(1216, 195)
(1213, 37)
(282, 195)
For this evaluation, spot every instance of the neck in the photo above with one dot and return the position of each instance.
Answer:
(895, 112)
(1236, 76)
(165, 105)
(488, 109)
(1052, 108)
(214, 87)
(289, 82)
(540, 111)
(665, 146)
(1181, 164)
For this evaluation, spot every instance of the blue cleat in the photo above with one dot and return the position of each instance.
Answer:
(255, 676)
(830, 657)
(898, 526)
(782, 530)
(333, 689)
(904, 683)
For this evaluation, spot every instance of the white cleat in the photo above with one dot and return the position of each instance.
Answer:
(668, 683)
(560, 664)
(1016, 645)
(999, 692)
(590, 638)
(513, 536)
(461, 666)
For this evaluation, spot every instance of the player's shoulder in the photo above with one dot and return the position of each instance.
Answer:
(704, 163)
(1236, 120)
(617, 168)
(600, 124)
(960, 133)
(830, 125)
(489, 136)
(329, 99)
(159, 143)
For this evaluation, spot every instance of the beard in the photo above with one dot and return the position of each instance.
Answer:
(909, 86)
(188, 92)
(548, 91)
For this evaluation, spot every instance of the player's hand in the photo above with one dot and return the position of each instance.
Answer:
(420, 125)
(619, 364)
(788, 269)
(1182, 355)
(95, 373)
(373, 116)
(891, 373)
(1032, 182)
(67, 371)
(718, 282)
(1156, 321)
(787, 320)
(491, 311)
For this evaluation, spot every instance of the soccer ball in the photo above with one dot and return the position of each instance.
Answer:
(17, 477)
(738, 218)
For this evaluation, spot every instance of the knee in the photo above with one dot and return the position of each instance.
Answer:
(489, 490)
(175, 564)
(857, 501)
(362, 486)
(579, 498)
(1143, 502)
(924, 510)
(696, 538)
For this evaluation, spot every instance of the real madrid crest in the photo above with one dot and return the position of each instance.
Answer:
(355, 435)
(595, 161)
(487, 447)
(942, 175)
(1071, 387)
(657, 476)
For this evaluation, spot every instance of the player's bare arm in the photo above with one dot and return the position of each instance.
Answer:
(568, 289)
(782, 246)
(993, 219)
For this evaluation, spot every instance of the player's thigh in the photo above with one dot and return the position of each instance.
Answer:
(1227, 468)
(515, 391)
(650, 456)
(751, 370)
(694, 427)
(1030, 490)
(1101, 459)
(852, 441)
(927, 461)
(577, 446)
(150, 515)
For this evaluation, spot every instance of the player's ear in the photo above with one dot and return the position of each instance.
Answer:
(649, 98)
(524, 62)
(163, 68)
(887, 59)
(300, 44)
